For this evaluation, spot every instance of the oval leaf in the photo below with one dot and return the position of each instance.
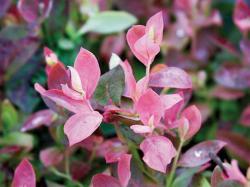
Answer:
(158, 152)
(81, 125)
(199, 154)
(108, 22)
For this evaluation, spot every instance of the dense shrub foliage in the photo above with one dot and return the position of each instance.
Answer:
(125, 93)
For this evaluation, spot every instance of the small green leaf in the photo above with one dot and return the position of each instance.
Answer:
(9, 117)
(66, 44)
(110, 86)
(19, 139)
(107, 22)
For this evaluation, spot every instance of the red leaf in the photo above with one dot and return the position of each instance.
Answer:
(199, 154)
(24, 175)
(57, 76)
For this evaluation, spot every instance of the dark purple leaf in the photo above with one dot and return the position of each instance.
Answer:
(199, 154)
(5, 4)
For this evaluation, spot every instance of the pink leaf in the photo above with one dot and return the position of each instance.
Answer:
(226, 93)
(42, 117)
(234, 172)
(81, 125)
(102, 180)
(63, 100)
(133, 34)
(170, 100)
(147, 49)
(171, 77)
(57, 75)
(199, 154)
(141, 129)
(241, 15)
(130, 82)
(124, 173)
(155, 26)
(234, 76)
(193, 115)
(51, 156)
(245, 117)
(158, 152)
(34, 10)
(24, 175)
(88, 69)
(149, 105)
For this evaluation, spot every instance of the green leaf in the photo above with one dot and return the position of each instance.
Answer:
(185, 177)
(19, 139)
(107, 22)
(199, 181)
(9, 117)
(110, 86)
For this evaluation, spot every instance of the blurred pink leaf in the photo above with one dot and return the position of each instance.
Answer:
(199, 154)
(158, 152)
(245, 117)
(112, 44)
(226, 93)
(124, 173)
(241, 15)
(24, 175)
(171, 77)
(81, 125)
(102, 180)
(42, 117)
(51, 156)
(233, 76)
(34, 10)
(10, 149)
